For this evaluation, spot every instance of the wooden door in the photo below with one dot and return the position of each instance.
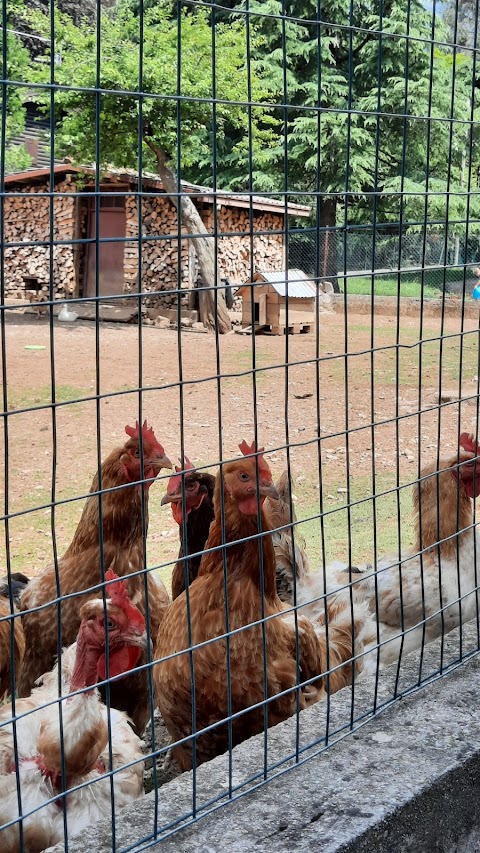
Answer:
(112, 223)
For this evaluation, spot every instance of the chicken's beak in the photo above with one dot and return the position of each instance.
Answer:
(167, 499)
(162, 462)
(141, 640)
(268, 490)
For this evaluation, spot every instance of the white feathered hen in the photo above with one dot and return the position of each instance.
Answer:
(438, 587)
(290, 555)
(67, 316)
(38, 765)
(353, 627)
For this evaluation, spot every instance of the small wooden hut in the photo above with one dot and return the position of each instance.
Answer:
(270, 297)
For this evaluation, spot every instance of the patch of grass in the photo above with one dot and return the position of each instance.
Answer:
(335, 521)
(244, 360)
(241, 362)
(409, 362)
(388, 287)
(386, 284)
(43, 396)
(31, 546)
(31, 540)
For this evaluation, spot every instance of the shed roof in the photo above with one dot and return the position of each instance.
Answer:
(299, 285)
(153, 182)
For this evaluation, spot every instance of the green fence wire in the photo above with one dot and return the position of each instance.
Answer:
(255, 166)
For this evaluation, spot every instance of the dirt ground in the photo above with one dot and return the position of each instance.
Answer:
(403, 371)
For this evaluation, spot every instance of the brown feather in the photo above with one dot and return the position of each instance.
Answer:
(79, 569)
(436, 526)
(208, 620)
(78, 761)
(35, 840)
(5, 646)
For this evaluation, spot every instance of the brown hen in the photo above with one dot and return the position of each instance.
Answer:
(247, 603)
(7, 617)
(80, 568)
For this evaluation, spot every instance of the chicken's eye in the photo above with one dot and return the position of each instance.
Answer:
(136, 453)
(244, 476)
(190, 487)
(111, 625)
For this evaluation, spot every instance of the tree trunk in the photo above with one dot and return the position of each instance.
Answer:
(456, 257)
(328, 242)
(204, 249)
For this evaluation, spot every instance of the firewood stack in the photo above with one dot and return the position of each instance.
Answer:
(160, 258)
(27, 219)
(234, 251)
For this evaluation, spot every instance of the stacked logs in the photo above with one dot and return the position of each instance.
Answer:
(160, 257)
(27, 220)
(234, 250)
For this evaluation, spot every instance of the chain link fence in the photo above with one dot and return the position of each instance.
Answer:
(386, 252)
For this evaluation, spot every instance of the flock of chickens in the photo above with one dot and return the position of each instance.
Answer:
(266, 631)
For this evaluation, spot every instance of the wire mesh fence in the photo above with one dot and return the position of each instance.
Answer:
(320, 524)
(442, 257)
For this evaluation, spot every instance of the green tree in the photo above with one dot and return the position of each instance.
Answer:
(346, 94)
(358, 106)
(442, 198)
(174, 119)
(17, 70)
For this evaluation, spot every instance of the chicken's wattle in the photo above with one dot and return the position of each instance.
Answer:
(249, 506)
(121, 660)
(177, 511)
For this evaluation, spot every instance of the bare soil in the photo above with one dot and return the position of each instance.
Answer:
(210, 389)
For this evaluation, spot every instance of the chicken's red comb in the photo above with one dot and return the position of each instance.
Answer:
(467, 441)
(175, 481)
(249, 449)
(148, 436)
(118, 595)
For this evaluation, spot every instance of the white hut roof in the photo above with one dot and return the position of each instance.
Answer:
(299, 285)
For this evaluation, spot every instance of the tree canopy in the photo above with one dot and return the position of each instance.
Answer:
(18, 69)
(459, 17)
(351, 109)
(174, 109)
(370, 109)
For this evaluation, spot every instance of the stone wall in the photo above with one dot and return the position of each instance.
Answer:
(27, 218)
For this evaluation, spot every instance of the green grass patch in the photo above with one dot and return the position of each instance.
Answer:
(31, 534)
(335, 521)
(43, 396)
(241, 362)
(436, 360)
(386, 284)
(31, 539)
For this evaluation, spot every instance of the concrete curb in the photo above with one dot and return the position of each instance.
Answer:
(408, 781)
